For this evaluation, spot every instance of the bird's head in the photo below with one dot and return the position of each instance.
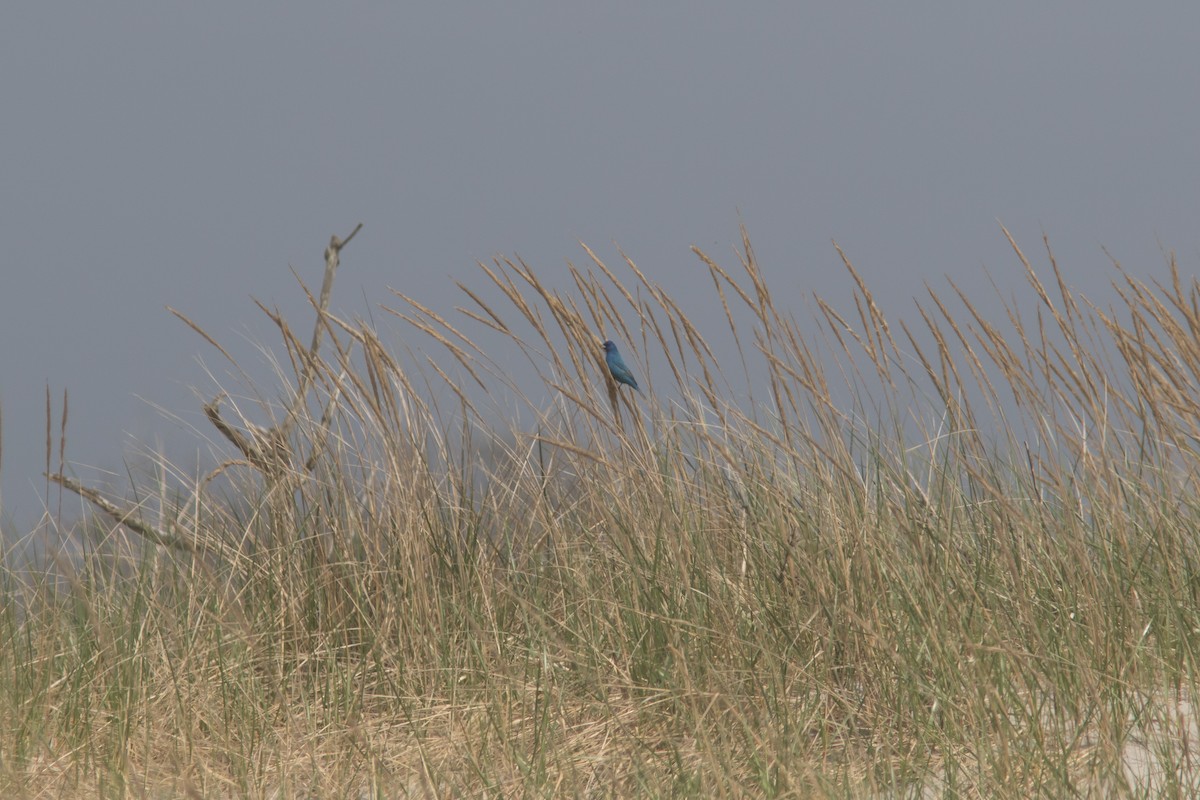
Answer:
(609, 346)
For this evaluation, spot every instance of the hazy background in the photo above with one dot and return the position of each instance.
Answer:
(187, 154)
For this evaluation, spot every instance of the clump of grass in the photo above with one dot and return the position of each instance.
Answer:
(977, 576)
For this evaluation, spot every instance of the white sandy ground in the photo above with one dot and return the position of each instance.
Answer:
(1165, 751)
(1156, 754)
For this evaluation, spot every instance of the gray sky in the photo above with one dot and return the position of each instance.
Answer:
(187, 154)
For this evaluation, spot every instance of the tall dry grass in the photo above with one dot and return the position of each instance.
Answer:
(954, 556)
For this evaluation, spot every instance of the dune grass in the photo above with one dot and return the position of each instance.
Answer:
(953, 557)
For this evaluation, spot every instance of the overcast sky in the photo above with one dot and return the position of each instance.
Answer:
(188, 153)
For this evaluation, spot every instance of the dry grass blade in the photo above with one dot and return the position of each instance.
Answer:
(203, 334)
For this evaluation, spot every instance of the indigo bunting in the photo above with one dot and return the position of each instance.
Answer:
(616, 366)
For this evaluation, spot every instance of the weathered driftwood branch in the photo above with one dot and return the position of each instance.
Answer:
(269, 451)
(127, 517)
(266, 449)
(332, 259)
(212, 410)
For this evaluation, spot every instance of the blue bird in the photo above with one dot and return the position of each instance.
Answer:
(616, 366)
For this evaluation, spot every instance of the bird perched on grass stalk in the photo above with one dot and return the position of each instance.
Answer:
(616, 366)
